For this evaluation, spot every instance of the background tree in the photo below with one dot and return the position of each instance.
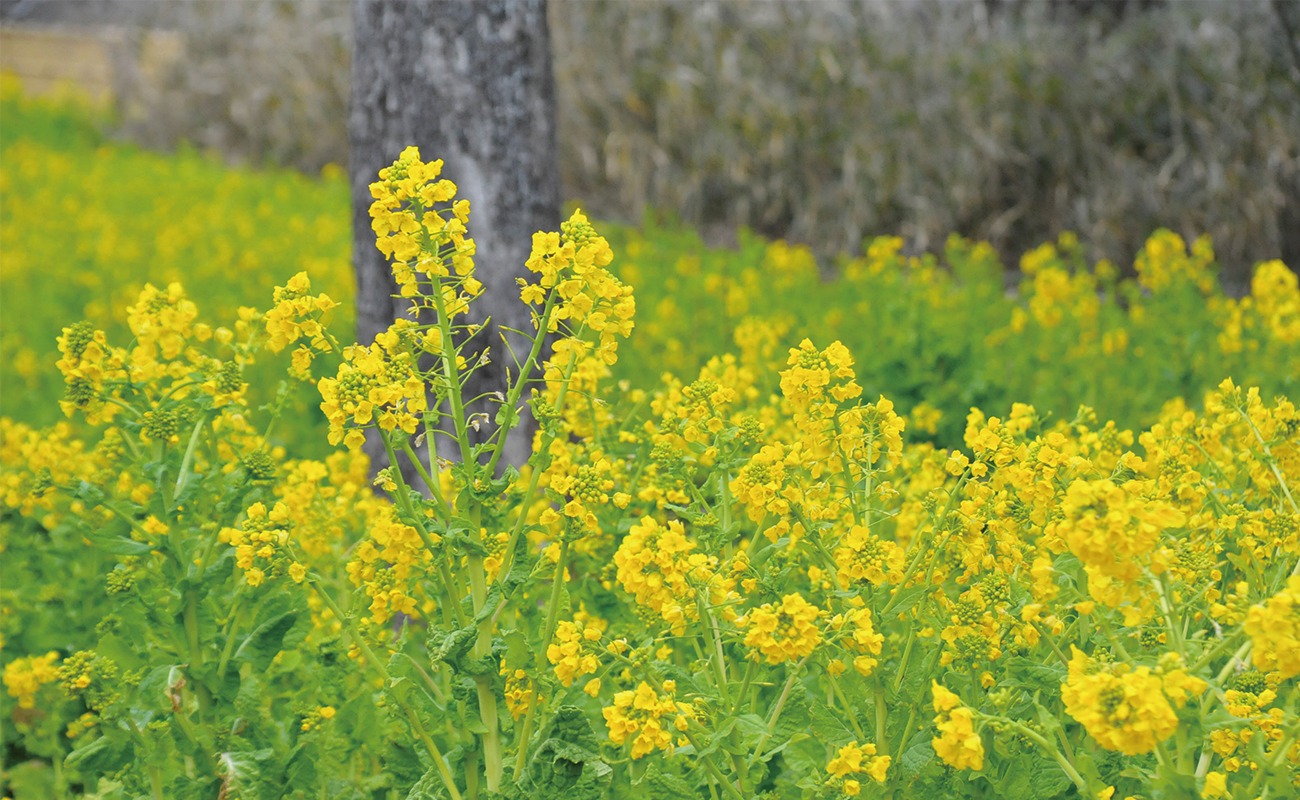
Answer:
(469, 83)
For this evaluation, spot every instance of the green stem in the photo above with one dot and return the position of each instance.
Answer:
(1068, 767)
(552, 622)
(516, 391)
(189, 454)
(452, 370)
(453, 593)
(374, 661)
(1272, 463)
(1166, 610)
(435, 488)
(1214, 652)
(1283, 749)
(191, 620)
(232, 629)
(881, 712)
(732, 791)
(156, 781)
(776, 713)
(907, 653)
(211, 545)
(493, 764)
(751, 668)
(718, 658)
(508, 554)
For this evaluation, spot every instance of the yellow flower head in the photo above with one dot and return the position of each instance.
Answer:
(785, 631)
(1123, 709)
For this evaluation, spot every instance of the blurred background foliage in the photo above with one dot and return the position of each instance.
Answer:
(85, 224)
(823, 123)
(937, 334)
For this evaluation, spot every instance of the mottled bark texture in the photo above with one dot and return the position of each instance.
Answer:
(469, 83)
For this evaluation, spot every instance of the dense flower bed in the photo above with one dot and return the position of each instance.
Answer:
(751, 580)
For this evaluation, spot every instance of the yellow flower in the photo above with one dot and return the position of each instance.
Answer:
(786, 631)
(1216, 785)
(23, 677)
(864, 558)
(1113, 531)
(656, 565)
(647, 717)
(855, 759)
(1274, 628)
(1123, 710)
(959, 745)
(815, 374)
(573, 651)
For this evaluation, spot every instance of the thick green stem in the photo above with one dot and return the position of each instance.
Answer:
(493, 763)
(191, 619)
(156, 781)
(881, 711)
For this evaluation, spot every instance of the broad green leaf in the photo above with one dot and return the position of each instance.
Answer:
(263, 643)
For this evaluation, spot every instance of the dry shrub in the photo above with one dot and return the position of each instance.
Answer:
(827, 122)
(258, 81)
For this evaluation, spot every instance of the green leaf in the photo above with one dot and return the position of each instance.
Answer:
(268, 639)
(718, 738)
(751, 725)
(451, 648)
(1016, 781)
(154, 691)
(905, 599)
(518, 654)
(1036, 674)
(667, 785)
(1047, 719)
(117, 545)
(103, 755)
(795, 719)
(429, 787)
(826, 726)
(566, 764)
(916, 758)
(1049, 779)
(119, 650)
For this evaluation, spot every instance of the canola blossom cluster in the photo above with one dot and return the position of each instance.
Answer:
(647, 719)
(756, 578)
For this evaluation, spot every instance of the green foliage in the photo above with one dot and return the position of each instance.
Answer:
(85, 224)
(758, 584)
(939, 336)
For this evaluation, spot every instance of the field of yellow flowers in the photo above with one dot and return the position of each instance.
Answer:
(889, 533)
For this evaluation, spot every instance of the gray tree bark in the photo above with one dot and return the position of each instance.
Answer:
(469, 83)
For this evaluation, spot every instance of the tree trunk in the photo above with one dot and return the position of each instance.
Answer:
(469, 83)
